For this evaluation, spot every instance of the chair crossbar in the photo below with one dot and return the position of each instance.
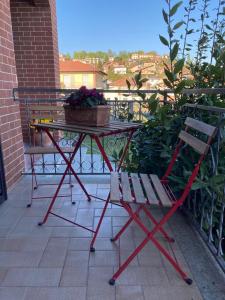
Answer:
(146, 190)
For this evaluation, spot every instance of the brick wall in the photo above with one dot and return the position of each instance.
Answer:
(10, 124)
(36, 46)
(29, 58)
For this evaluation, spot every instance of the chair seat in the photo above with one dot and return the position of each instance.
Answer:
(47, 150)
(139, 188)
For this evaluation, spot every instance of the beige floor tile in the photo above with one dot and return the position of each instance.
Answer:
(32, 277)
(11, 244)
(53, 261)
(3, 272)
(105, 244)
(75, 293)
(129, 292)
(106, 227)
(98, 286)
(119, 221)
(104, 258)
(12, 293)
(79, 244)
(55, 253)
(171, 292)
(72, 231)
(85, 217)
(134, 275)
(20, 259)
(77, 259)
(37, 243)
(74, 276)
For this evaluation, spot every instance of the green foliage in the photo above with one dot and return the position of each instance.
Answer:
(152, 147)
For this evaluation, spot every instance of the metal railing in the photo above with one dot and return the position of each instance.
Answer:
(207, 213)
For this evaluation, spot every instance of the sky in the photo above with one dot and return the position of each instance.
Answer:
(93, 25)
(118, 25)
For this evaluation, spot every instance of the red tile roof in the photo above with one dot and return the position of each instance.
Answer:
(121, 82)
(77, 66)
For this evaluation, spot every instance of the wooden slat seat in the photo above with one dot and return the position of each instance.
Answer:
(47, 150)
(138, 188)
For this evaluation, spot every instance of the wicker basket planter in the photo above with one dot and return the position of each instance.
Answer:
(90, 116)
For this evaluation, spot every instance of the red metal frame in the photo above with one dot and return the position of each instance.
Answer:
(69, 167)
(35, 185)
(134, 216)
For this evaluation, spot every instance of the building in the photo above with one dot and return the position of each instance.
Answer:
(119, 84)
(74, 74)
(120, 70)
(28, 58)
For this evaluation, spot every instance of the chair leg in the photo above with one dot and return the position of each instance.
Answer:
(71, 188)
(163, 232)
(92, 249)
(115, 238)
(149, 237)
(34, 184)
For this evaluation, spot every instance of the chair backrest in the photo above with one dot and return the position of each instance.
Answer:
(201, 147)
(41, 113)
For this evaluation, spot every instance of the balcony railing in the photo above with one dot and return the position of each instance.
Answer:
(206, 213)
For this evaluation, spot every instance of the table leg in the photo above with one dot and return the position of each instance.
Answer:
(80, 140)
(69, 162)
(109, 165)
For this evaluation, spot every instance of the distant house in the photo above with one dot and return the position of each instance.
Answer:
(119, 84)
(120, 69)
(74, 74)
(154, 82)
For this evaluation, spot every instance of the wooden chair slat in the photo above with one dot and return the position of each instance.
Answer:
(46, 116)
(160, 191)
(139, 195)
(126, 191)
(46, 150)
(200, 126)
(114, 191)
(149, 189)
(194, 142)
(46, 108)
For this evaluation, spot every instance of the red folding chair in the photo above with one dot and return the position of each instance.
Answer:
(148, 190)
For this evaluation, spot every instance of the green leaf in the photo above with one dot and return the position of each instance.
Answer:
(163, 40)
(165, 16)
(169, 75)
(128, 84)
(178, 66)
(174, 52)
(178, 25)
(175, 8)
(167, 83)
(181, 85)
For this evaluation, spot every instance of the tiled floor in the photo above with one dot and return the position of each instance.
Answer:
(54, 262)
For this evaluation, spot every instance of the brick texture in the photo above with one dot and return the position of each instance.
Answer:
(10, 124)
(28, 58)
(36, 46)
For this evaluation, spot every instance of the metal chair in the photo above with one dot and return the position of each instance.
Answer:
(144, 191)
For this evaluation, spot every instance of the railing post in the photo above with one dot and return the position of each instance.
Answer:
(164, 98)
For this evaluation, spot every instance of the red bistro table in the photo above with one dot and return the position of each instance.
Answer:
(96, 133)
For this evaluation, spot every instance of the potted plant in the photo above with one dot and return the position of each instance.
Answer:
(87, 106)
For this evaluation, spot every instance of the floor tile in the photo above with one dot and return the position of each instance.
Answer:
(75, 293)
(74, 276)
(12, 293)
(32, 277)
(20, 259)
(98, 286)
(77, 259)
(79, 244)
(104, 258)
(129, 292)
(171, 292)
